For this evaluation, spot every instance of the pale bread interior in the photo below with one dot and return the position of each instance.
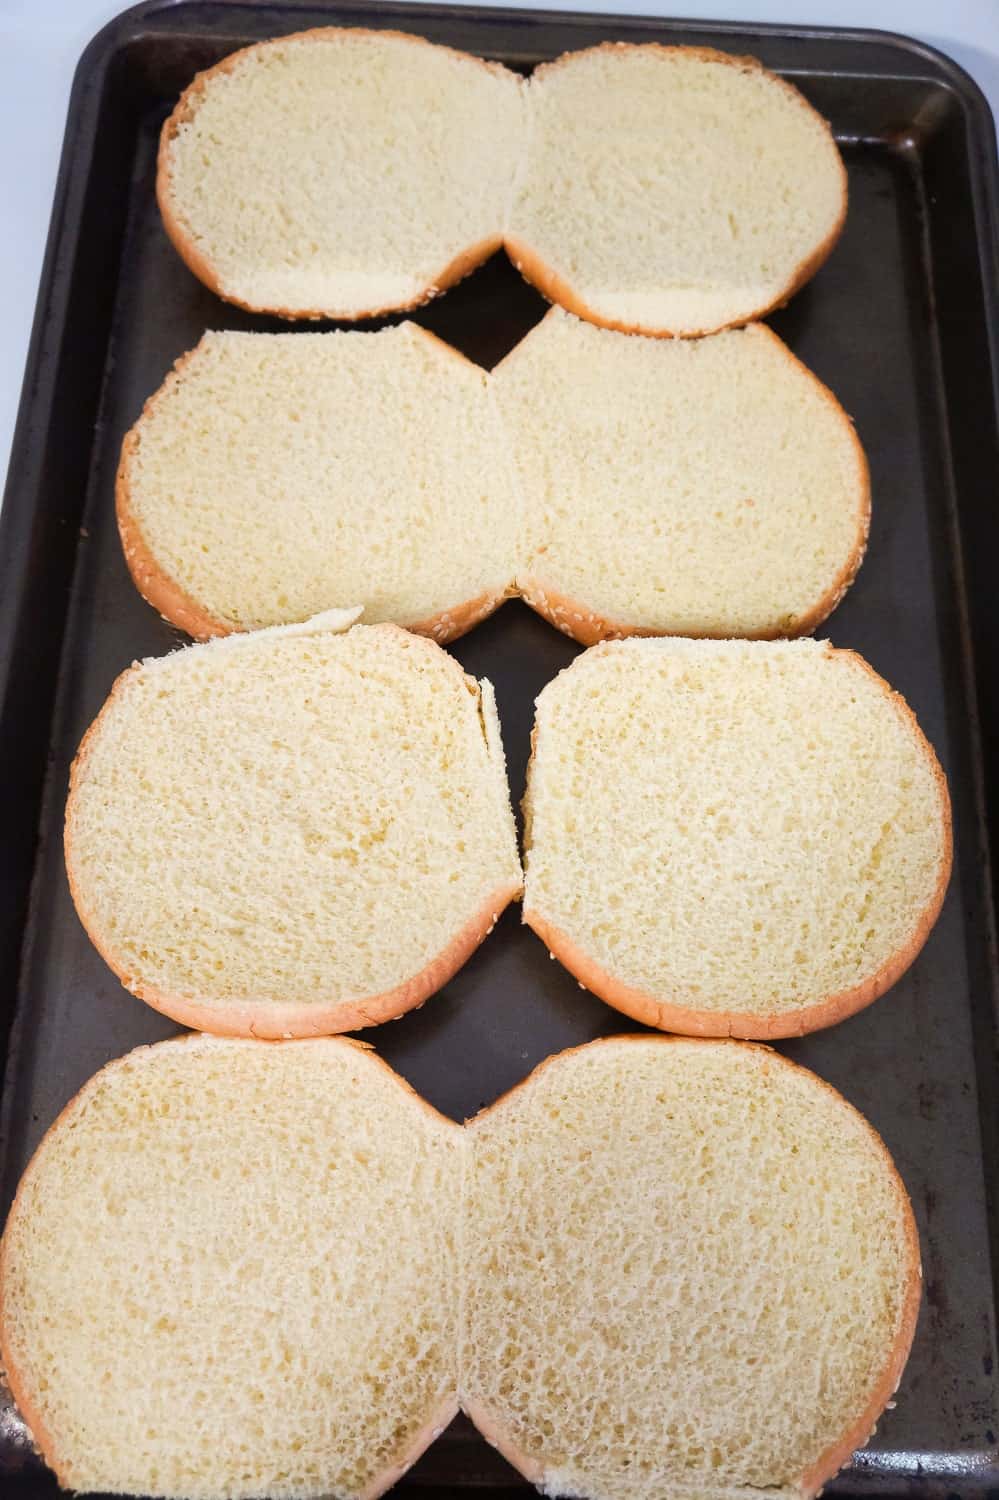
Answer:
(674, 190)
(231, 1272)
(685, 1266)
(277, 475)
(690, 487)
(694, 487)
(733, 827)
(294, 819)
(342, 171)
(659, 1267)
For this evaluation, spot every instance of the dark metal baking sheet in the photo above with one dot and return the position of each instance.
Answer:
(902, 323)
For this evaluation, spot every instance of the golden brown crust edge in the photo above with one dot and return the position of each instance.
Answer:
(452, 623)
(556, 288)
(14, 1376)
(381, 1482)
(750, 1025)
(166, 596)
(428, 1433)
(861, 1429)
(198, 263)
(490, 1427)
(285, 1021)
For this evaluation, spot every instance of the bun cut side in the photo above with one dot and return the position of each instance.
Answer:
(268, 1302)
(276, 476)
(345, 173)
(691, 1270)
(659, 1266)
(621, 485)
(292, 833)
(673, 190)
(340, 172)
(732, 837)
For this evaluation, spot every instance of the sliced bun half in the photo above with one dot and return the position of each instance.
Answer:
(229, 1272)
(701, 487)
(673, 190)
(732, 837)
(691, 1270)
(275, 476)
(340, 172)
(292, 832)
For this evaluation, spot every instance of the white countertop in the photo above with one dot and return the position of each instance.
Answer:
(41, 40)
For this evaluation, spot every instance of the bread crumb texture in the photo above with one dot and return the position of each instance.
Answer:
(290, 818)
(660, 1268)
(674, 189)
(689, 487)
(702, 487)
(277, 475)
(686, 1264)
(740, 827)
(341, 171)
(230, 1271)
(346, 172)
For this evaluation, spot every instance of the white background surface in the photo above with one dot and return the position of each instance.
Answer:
(41, 41)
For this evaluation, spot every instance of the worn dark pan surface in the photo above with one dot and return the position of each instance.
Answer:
(901, 323)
